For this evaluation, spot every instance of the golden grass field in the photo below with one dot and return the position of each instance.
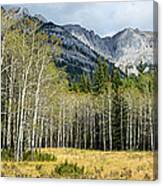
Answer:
(97, 165)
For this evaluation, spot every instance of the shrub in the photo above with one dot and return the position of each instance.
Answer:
(69, 170)
(7, 155)
(37, 156)
(38, 167)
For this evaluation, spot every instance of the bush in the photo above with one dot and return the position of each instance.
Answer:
(69, 170)
(39, 156)
(7, 155)
(38, 167)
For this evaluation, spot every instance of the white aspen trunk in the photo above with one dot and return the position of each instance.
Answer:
(14, 134)
(71, 135)
(151, 127)
(41, 133)
(63, 124)
(51, 132)
(25, 80)
(10, 106)
(144, 129)
(5, 119)
(139, 126)
(4, 132)
(85, 129)
(46, 134)
(37, 98)
(59, 126)
(77, 129)
(100, 130)
(58, 137)
(121, 123)
(131, 128)
(71, 126)
(110, 125)
(67, 136)
(134, 130)
(91, 128)
(103, 124)
(127, 130)
(18, 111)
(94, 130)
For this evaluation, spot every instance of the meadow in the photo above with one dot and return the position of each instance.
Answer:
(85, 164)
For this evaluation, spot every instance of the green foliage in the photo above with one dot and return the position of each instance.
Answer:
(38, 156)
(85, 84)
(7, 155)
(116, 80)
(101, 77)
(69, 170)
(141, 67)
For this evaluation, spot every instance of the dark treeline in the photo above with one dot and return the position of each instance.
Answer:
(40, 108)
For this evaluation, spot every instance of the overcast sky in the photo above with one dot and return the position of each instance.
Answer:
(104, 18)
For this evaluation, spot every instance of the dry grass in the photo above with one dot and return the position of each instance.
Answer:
(97, 165)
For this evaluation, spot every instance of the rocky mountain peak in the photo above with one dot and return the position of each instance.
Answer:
(40, 18)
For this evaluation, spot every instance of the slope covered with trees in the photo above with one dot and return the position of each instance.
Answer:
(41, 107)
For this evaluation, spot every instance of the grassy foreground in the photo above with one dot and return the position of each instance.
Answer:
(88, 164)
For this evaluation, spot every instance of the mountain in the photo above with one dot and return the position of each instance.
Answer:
(89, 38)
(128, 48)
(77, 56)
(81, 47)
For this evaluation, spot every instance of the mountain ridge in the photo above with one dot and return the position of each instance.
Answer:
(82, 47)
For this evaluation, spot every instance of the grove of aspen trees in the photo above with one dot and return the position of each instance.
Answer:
(41, 107)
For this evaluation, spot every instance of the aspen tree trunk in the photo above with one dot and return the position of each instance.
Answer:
(144, 129)
(71, 127)
(103, 124)
(14, 134)
(58, 137)
(134, 130)
(77, 126)
(127, 130)
(80, 130)
(41, 133)
(71, 135)
(100, 130)
(85, 128)
(37, 98)
(4, 132)
(67, 136)
(18, 111)
(59, 125)
(10, 106)
(46, 134)
(139, 126)
(121, 123)
(25, 80)
(131, 129)
(5, 118)
(51, 132)
(94, 130)
(28, 132)
(151, 127)
(91, 129)
(110, 125)
(63, 124)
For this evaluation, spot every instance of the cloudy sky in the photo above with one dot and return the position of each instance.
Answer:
(104, 18)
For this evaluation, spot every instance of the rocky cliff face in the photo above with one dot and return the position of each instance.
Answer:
(81, 47)
(126, 49)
